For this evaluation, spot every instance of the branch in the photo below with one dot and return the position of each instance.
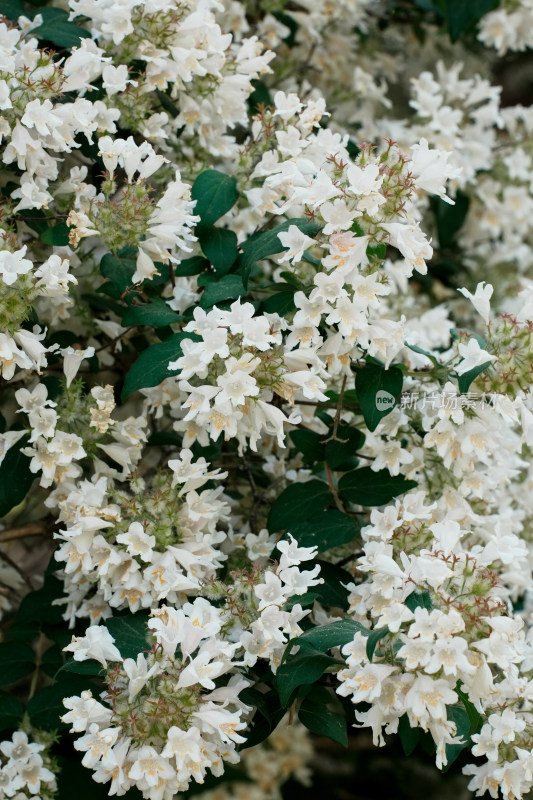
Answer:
(21, 531)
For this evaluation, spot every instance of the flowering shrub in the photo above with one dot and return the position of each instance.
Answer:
(266, 342)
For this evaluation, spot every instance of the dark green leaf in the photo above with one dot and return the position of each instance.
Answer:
(52, 660)
(450, 219)
(409, 737)
(12, 9)
(309, 444)
(130, 634)
(301, 669)
(46, 706)
(419, 600)
(476, 720)
(89, 667)
(323, 722)
(280, 303)
(219, 245)
(264, 244)
(15, 476)
(269, 713)
(56, 28)
(35, 218)
(372, 641)
(340, 450)
(38, 610)
(11, 711)
(157, 314)
(259, 97)
(215, 194)
(151, 368)
(296, 502)
(368, 488)
(460, 717)
(167, 103)
(227, 288)
(119, 270)
(325, 530)
(333, 592)
(462, 15)
(17, 660)
(334, 634)
(191, 266)
(57, 235)
(378, 390)
(465, 380)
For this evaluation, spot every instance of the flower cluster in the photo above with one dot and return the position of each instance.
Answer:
(266, 337)
(163, 721)
(26, 768)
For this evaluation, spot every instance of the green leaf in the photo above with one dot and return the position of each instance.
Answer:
(11, 711)
(450, 219)
(227, 288)
(419, 350)
(157, 314)
(89, 667)
(191, 266)
(323, 722)
(52, 660)
(35, 218)
(378, 390)
(219, 245)
(15, 476)
(372, 641)
(12, 9)
(476, 720)
(462, 15)
(151, 368)
(130, 634)
(167, 103)
(37, 610)
(57, 235)
(296, 502)
(325, 530)
(309, 444)
(409, 737)
(215, 194)
(334, 634)
(268, 714)
(56, 28)
(365, 487)
(419, 600)
(333, 591)
(465, 380)
(280, 303)
(340, 450)
(119, 270)
(301, 669)
(46, 706)
(460, 717)
(261, 245)
(17, 660)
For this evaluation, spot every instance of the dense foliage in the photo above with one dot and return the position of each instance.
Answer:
(266, 342)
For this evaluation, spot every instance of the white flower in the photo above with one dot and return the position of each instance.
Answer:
(472, 356)
(14, 264)
(480, 299)
(97, 643)
(296, 242)
(72, 358)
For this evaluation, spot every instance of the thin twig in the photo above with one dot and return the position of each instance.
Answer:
(336, 420)
(21, 531)
(333, 488)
